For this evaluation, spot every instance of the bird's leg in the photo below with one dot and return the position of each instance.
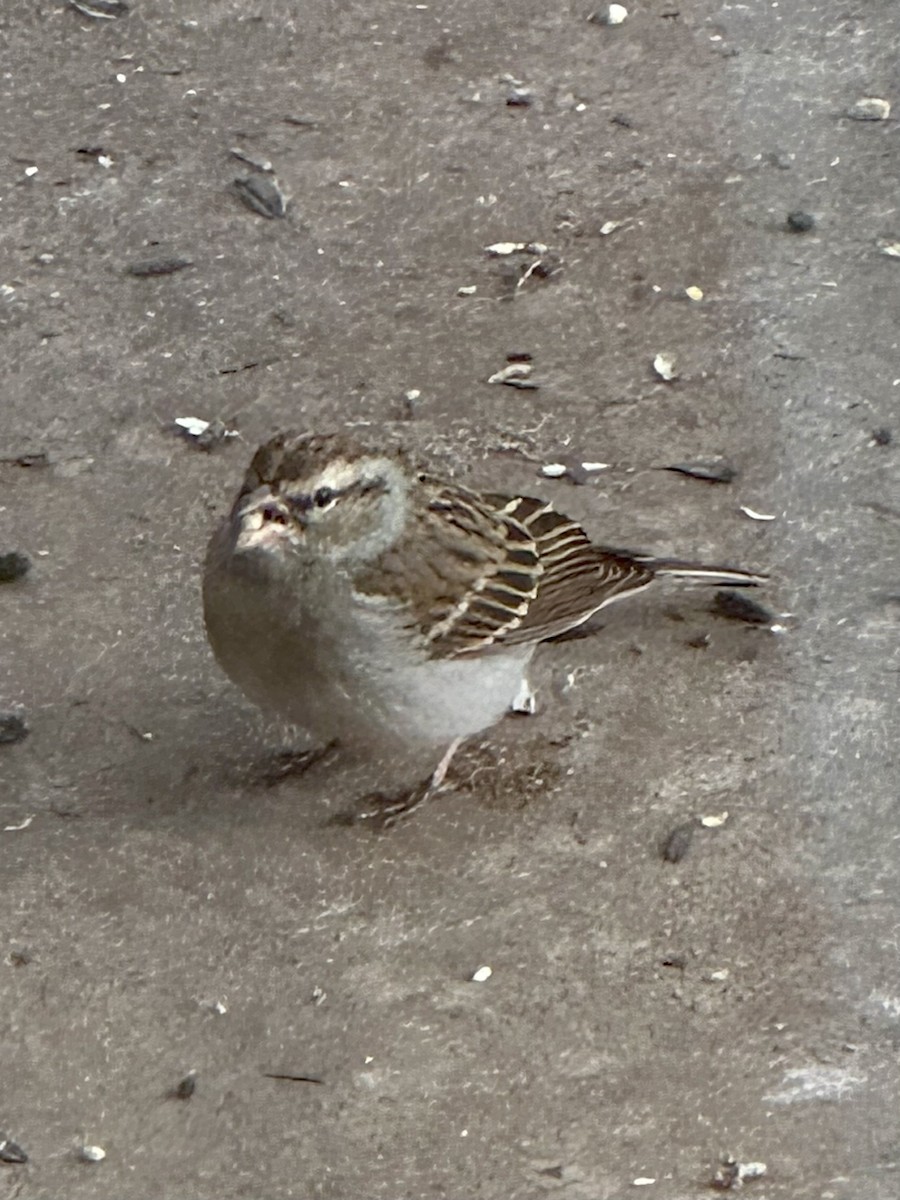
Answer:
(389, 810)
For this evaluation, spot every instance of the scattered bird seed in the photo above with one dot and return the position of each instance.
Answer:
(571, 468)
(611, 14)
(502, 249)
(713, 471)
(643, 1181)
(14, 564)
(699, 641)
(11, 1152)
(92, 1154)
(757, 516)
(186, 1087)
(882, 436)
(37, 458)
(609, 227)
(470, 290)
(481, 975)
(515, 375)
(263, 195)
(524, 385)
(102, 10)
(734, 1174)
(293, 1078)
(741, 608)
(157, 266)
(261, 164)
(13, 728)
(664, 366)
(714, 820)
(888, 247)
(678, 842)
(799, 221)
(23, 824)
(694, 293)
(870, 108)
(519, 97)
(206, 435)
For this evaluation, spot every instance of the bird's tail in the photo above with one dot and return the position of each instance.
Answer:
(703, 573)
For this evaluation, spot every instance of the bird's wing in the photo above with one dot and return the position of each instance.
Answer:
(577, 577)
(475, 573)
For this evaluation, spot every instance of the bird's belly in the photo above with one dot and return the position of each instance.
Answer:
(361, 680)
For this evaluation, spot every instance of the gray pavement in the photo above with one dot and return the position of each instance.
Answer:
(165, 910)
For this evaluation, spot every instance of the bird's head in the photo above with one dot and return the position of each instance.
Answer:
(310, 497)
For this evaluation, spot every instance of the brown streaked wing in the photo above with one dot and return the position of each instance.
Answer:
(577, 579)
(466, 572)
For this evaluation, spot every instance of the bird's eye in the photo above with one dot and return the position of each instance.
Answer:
(324, 496)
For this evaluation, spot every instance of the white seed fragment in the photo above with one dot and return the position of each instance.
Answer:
(482, 975)
(554, 470)
(757, 516)
(891, 249)
(643, 1181)
(30, 171)
(595, 466)
(612, 14)
(500, 249)
(22, 825)
(261, 164)
(92, 1154)
(664, 366)
(694, 293)
(512, 371)
(470, 290)
(193, 426)
(714, 820)
(870, 108)
(751, 1170)
(609, 227)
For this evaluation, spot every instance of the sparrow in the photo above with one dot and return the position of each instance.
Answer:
(372, 604)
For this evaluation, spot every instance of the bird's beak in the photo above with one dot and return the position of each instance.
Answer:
(267, 524)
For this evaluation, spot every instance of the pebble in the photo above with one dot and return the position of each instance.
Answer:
(13, 728)
(870, 108)
(14, 564)
(799, 221)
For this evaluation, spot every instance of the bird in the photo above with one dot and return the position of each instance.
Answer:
(371, 603)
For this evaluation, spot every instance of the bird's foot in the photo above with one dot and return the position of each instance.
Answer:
(383, 809)
(290, 763)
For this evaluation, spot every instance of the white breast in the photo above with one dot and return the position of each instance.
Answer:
(343, 669)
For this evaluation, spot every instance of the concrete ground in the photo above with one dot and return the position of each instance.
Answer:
(165, 910)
